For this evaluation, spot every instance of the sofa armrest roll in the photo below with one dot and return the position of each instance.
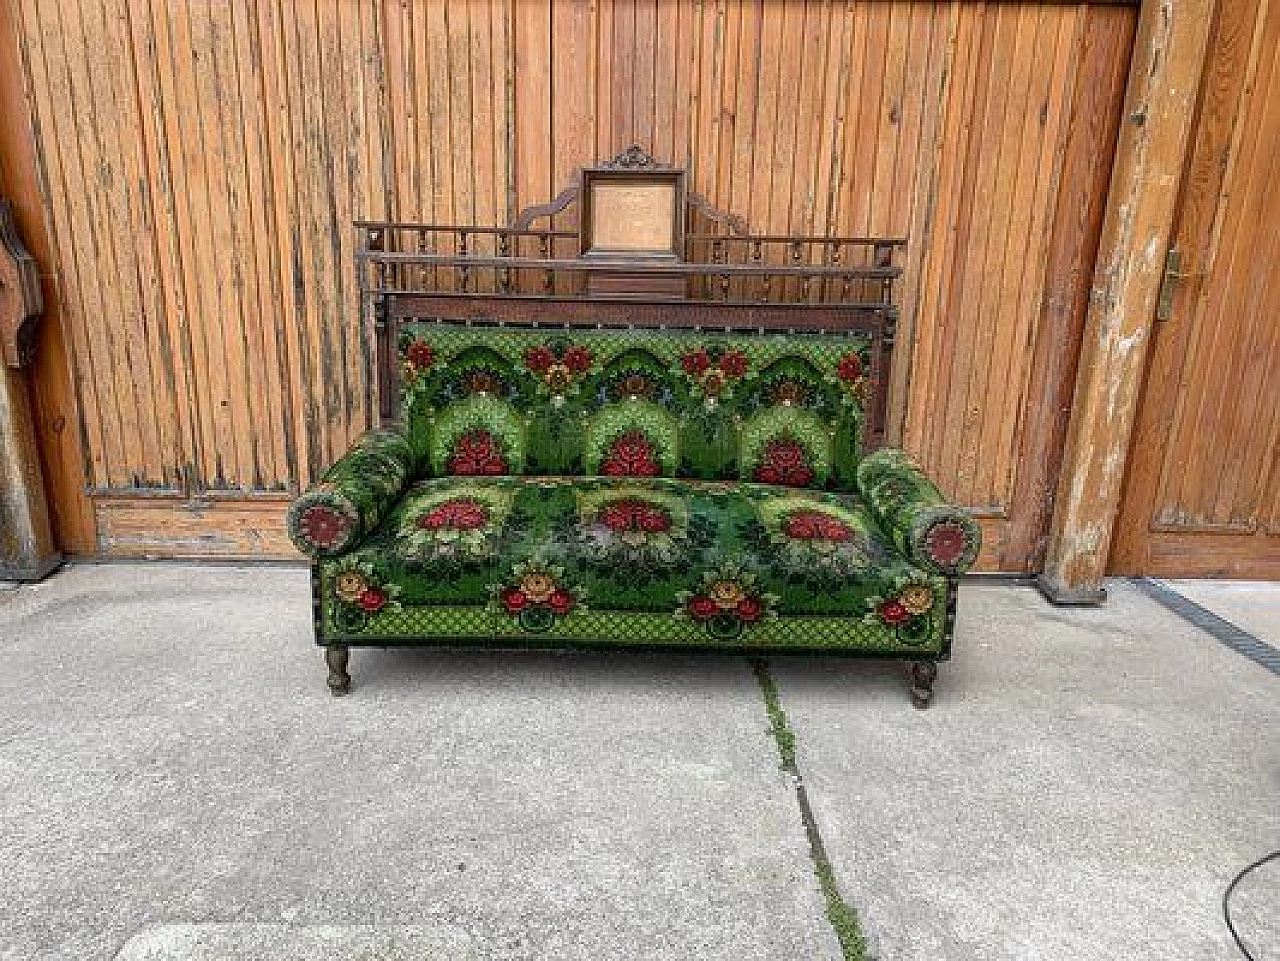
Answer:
(935, 535)
(353, 495)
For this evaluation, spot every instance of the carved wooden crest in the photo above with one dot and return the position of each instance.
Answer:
(21, 302)
(634, 158)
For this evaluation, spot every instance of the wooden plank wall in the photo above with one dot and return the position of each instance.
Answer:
(202, 162)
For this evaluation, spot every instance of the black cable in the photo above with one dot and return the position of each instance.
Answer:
(1226, 900)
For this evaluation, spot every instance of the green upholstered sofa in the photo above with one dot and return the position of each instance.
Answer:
(578, 487)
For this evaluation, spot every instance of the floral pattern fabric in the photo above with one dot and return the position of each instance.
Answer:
(934, 534)
(353, 495)
(595, 486)
(726, 560)
(710, 406)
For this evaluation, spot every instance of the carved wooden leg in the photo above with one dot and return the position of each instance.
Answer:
(335, 655)
(923, 674)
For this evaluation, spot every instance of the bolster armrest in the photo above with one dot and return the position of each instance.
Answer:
(353, 495)
(933, 534)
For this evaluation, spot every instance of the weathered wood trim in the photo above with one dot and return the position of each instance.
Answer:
(1164, 77)
(56, 417)
(27, 550)
(145, 527)
(1088, 151)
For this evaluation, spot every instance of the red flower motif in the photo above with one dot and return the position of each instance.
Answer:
(465, 514)
(654, 521)
(814, 525)
(539, 359)
(703, 608)
(514, 601)
(323, 526)
(577, 358)
(946, 542)
(695, 362)
(475, 443)
(734, 363)
(785, 454)
(784, 462)
(630, 455)
(892, 612)
(373, 600)
(560, 602)
(420, 354)
(476, 452)
(834, 529)
(750, 609)
(802, 525)
(633, 515)
(850, 368)
(618, 516)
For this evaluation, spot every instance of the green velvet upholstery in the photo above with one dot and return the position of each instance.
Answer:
(352, 495)
(935, 535)
(776, 408)
(632, 561)
(609, 487)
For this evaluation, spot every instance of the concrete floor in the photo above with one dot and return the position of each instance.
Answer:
(176, 783)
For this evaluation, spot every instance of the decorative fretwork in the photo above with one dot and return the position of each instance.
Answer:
(721, 260)
(532, 271)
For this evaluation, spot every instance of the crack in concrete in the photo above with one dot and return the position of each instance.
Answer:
(842, 917)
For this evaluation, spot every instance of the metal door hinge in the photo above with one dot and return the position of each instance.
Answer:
(1168, 283)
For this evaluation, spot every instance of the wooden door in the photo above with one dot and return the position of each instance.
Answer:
(1202, 495)
(201, 163)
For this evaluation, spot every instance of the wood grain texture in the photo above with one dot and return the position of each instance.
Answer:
(1203, 483)
(157, 527)
(54, 405)
(202, 226)
(1165, 75)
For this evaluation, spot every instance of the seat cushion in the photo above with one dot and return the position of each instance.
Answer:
(552, 561)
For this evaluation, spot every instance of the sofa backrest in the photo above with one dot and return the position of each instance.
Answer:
(779, 408)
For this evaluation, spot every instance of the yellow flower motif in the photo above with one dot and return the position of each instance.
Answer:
(350, 586)
(917, 599)
(537, 587)
(559, 377)
(408, 372)
(713, 380)
(726, 594)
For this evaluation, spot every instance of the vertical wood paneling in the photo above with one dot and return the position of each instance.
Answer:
(1203, 484)
(205, 161)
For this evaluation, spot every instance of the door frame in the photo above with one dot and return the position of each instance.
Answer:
(1165, 75)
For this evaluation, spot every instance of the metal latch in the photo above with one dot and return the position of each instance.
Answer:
(1172, 274)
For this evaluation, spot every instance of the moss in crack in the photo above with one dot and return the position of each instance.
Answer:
(782, 734)
(842, 918)
(853, 944)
